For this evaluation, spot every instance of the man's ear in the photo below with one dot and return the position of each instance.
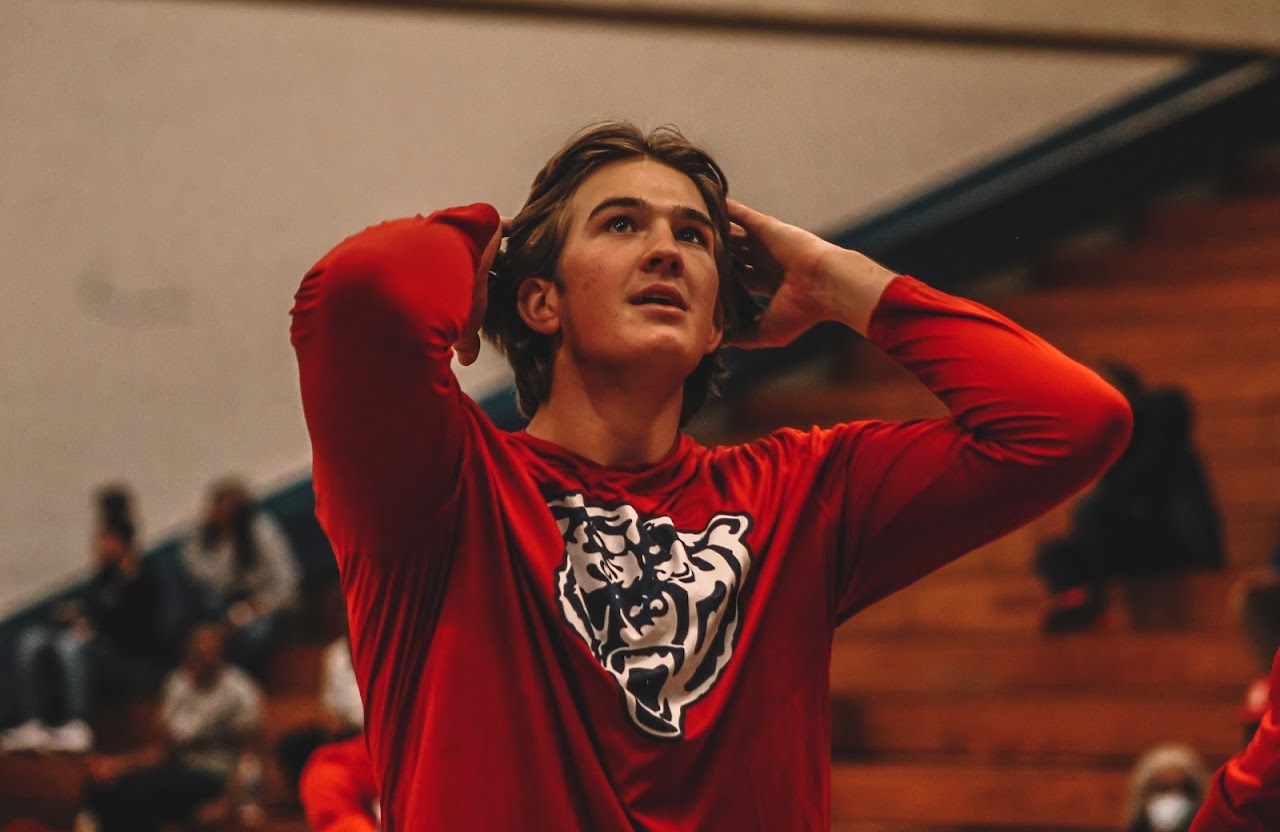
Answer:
(717, 335)
(717, 330)
(538, 302)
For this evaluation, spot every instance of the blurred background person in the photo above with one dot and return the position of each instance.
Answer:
(243, 570)
(109, 645)
(338, 791)
(1244, 794)
(1255, 599)
(1151, 514)
(342, 714)
(1167, 787)
(206, 769)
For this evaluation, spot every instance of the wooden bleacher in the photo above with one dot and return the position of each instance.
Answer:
(950, 711)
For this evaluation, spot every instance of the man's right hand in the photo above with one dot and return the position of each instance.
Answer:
(467, 348)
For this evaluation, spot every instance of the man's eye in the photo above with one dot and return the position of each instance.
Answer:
(693, 235)
(621, 224)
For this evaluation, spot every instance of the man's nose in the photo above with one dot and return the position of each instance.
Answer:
(664, 255)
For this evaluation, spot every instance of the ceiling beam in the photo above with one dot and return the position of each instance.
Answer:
(1152, 27)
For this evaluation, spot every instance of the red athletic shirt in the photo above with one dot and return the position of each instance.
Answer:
(337, 789)
(547, 643)
(1245, 793)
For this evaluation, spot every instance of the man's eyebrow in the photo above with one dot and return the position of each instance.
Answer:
(695, 215)
(644, 205)
(618, 202)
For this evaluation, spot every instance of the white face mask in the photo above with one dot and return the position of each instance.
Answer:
(1169, 812)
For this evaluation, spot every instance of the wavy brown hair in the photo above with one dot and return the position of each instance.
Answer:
(537, 239)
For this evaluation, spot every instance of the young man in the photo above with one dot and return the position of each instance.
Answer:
(596, 623)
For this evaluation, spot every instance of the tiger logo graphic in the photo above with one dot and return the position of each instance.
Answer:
(658, 607)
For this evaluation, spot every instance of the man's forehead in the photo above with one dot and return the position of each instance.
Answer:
(643, 179)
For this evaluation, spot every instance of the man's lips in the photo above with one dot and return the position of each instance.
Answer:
(660, 294)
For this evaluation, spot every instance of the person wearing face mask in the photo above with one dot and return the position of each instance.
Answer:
(1244, 795)
(109, 644)
(1167, 786)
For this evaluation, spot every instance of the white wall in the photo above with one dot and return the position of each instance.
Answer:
(168, 170)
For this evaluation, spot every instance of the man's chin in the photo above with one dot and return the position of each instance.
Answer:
(662, 350)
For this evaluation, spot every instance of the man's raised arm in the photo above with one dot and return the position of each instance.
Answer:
(1029, 427)
(374, 325)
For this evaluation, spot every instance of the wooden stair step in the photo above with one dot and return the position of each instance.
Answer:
(929, 663)
(1154, 346)
(1114, 727)
(1229, 295)
(57, 780)
(1217, 388)
(1232, 435)
(1015, 601)
(1230, 383)
(1258, 257)
(874, 826)
(1259, 175)
(989, 797)
(1243, 416)
(1245, 217)
(295, 667)
(47, 787)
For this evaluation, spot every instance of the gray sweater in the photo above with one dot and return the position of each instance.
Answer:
(207, 727)
(274, 578)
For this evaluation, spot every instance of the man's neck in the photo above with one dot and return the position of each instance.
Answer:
(608, 424)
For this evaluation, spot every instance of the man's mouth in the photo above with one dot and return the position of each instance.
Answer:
(659, 295)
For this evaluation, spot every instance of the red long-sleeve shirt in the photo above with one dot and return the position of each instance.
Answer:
(1244, 795)
(337, 789)
(544, 642)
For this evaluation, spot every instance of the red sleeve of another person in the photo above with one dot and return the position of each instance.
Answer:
(1245, 793)
(337, 789)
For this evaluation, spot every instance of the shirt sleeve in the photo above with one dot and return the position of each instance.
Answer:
(1028, 428)
(1244, 795)
(202, 570)
(337, 788)
(373, 327)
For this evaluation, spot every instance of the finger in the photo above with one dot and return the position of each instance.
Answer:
(488, 255)
(749, 218)
(505, 224)
(467, 349)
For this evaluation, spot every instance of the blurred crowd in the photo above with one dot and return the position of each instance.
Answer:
(198, 637)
